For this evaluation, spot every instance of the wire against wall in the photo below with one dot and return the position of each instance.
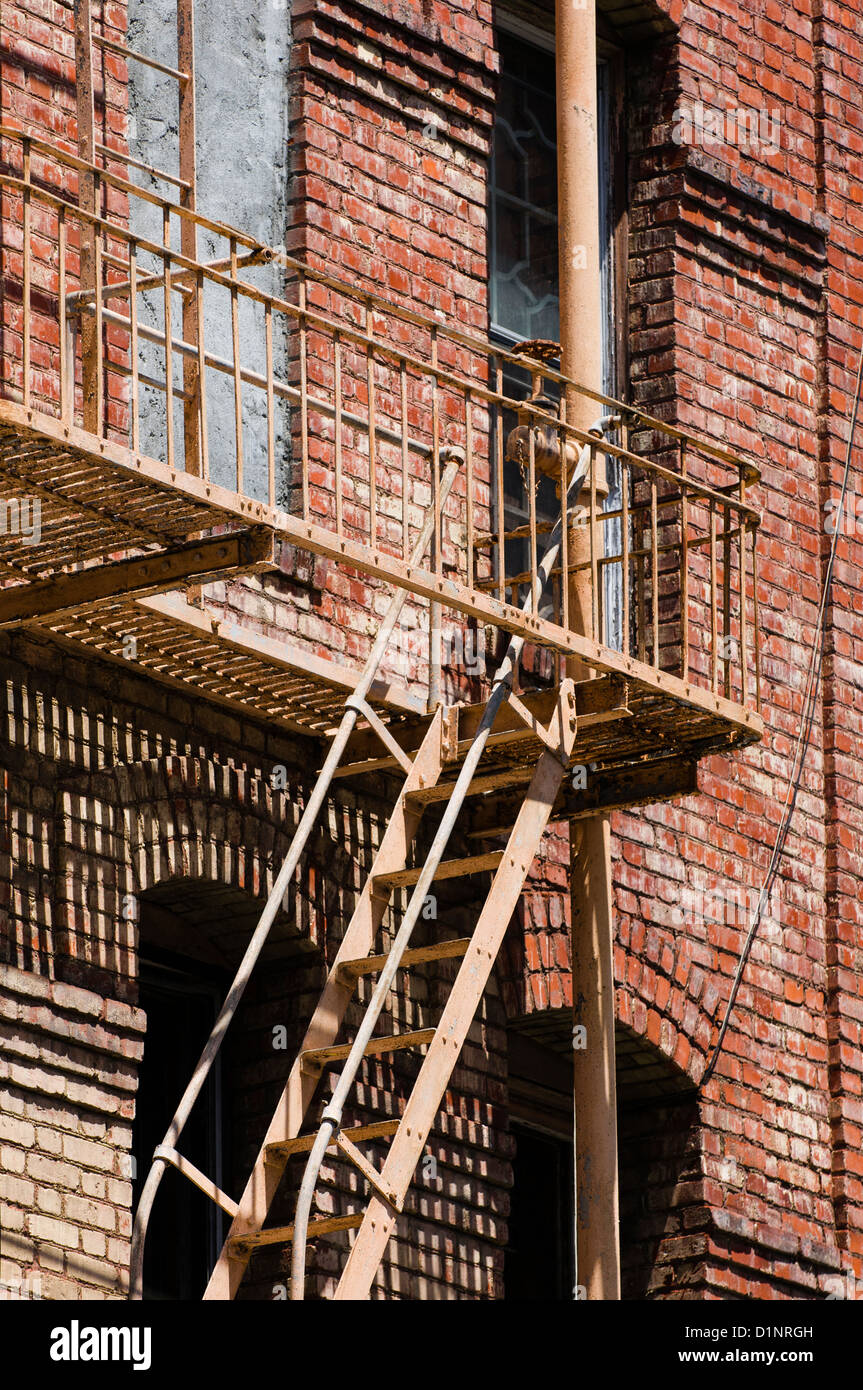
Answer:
(802, 745)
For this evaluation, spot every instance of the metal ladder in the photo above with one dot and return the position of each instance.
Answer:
(353, 961)
(284, 1138)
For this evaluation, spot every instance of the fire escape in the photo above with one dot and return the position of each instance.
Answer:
(373, 436)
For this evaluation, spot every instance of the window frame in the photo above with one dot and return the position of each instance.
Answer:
(613, 252)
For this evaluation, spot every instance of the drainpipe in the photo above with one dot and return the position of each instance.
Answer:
(596, 1198)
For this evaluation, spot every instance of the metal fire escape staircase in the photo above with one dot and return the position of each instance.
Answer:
(356, 958)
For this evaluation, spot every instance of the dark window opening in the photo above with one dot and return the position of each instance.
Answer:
(186, 1229)
(539, 1263)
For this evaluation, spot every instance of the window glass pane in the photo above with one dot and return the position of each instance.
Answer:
(524, 290)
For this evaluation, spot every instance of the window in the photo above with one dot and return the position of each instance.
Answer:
(523, 254)
(524, 270)
(186, 1230)
(538, 1263)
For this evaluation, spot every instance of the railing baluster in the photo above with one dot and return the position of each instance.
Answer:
(469, 497)
(564, 520)
(202, 377)
(238, 384)
(531, 505)
(65, 391)
(98, 320)
(271, 421)
(435, 470)
(714, 604)
(370, 380)
(403, 393)
(337, 426)
(304, 394)
(744, 627)
(654, 561)
(624, 555)
(133, 346)
(498, 450)
(594, 538)
(684, 564)
(435, 610)
(169, 358)
(726, 601)
(640, 509)
(756, 626)
(27, 273)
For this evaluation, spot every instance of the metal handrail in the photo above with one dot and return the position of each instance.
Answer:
(351, 354)
(746, 468)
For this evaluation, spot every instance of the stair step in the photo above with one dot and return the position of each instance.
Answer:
(283, 1235)
(441, 950)
(276, 1153)
(389, 1042)
(495, 781)
(450, 868)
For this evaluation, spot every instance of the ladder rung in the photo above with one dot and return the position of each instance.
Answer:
(442, 791)
(450, 868)
(389, 1042)
(441, 950)
(283, 1235)
(381, 1129)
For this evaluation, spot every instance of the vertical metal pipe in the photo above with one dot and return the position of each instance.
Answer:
(597, 1244)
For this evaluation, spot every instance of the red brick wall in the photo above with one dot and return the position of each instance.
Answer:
(744, 321)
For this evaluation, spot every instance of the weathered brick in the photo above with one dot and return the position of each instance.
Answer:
(47, 1228)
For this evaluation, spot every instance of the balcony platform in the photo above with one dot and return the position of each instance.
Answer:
(101, 503)
(98, 498)
(637, 746)
(184, 646)
(361, 413)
